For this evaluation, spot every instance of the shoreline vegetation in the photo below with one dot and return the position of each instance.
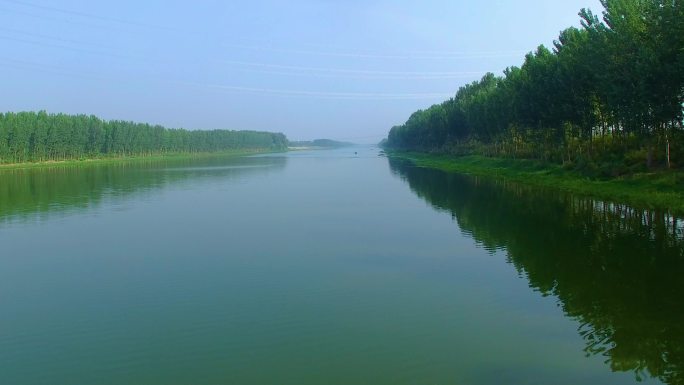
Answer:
(601, 112)
(135, 159)
(40, 138)
(661, 190)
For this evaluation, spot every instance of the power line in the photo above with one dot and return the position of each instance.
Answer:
(356, 72)
(336, 53)
(43, 17)
(371, 55)
(329, 95)
(299, 70)
(50, 45)
(360, 76)
(49, 37)
(33, 67)
(282, 69)
(30, 66)
(85, 14)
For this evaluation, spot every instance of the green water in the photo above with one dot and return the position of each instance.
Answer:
(329, 267)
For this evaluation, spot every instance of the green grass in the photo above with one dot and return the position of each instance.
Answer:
(655, 190)
(132, 159)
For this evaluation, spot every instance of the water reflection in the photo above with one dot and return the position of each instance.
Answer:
(40, 192)
(615, 269)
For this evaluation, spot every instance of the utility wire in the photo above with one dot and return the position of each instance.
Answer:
(85, 14)
(330, 95)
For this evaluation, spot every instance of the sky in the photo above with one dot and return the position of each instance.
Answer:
(347, 70)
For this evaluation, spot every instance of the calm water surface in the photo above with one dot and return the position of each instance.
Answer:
(329, 267)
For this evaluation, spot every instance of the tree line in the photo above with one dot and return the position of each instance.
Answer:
(31, 136)
(608, 94)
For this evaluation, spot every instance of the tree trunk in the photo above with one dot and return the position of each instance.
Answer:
(667, 150)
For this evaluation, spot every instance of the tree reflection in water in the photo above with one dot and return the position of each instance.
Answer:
(61, 189)
(617, 270)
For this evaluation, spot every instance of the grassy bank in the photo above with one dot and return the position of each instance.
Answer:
(133, 159)
(656, 190)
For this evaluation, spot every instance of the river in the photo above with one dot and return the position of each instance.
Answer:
(329, 267)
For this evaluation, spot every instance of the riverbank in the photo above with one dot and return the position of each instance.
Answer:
(655, 190)
(133, 159)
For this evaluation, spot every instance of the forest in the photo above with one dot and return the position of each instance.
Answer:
(606, 100)
(37, 137)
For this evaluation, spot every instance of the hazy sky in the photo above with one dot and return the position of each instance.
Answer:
(320, 68)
